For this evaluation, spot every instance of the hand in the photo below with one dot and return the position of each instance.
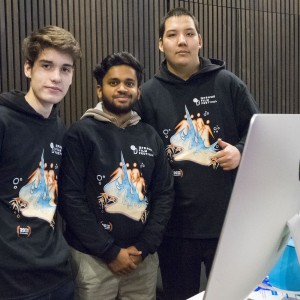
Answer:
(229, 157)
(123, 263)
(136, 258)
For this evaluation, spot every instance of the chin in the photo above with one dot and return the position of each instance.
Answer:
(123, 111)
(54, 101)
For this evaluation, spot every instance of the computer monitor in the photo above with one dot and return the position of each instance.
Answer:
(265, 196)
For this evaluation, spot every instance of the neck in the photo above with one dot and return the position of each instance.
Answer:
(120, 118)
(184, 72)
(42, 108)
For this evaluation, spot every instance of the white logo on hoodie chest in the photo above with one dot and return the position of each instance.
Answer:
(56, 149)
(141, 150)
(205, 100)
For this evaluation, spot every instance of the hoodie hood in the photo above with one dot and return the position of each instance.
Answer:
(98, 114)
(207, 66)
(15, 100)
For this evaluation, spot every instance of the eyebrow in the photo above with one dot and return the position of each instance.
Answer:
(51, 62)
(185, 29)
(126, 79)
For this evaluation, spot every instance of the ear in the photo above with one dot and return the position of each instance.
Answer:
(139, 93)
(200, 40)
(99, 91)
(27, 69)
(160, 45)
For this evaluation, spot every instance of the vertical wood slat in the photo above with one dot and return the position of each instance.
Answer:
(279, 63)
(9, 58)
(258, 39)
(3, 48)
(297, 58)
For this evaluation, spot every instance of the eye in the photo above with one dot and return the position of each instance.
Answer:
(67, 69)
(130, 84)
(170, 35)
(190, 34)
(46, 66)
(113, 83)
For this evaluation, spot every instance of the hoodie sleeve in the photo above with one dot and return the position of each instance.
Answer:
(161, 204)
(145, 107)
(246, 107)
(243, 104)
(73, 204)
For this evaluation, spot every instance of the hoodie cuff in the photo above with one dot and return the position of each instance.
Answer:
(240, 147)
(110, 254)
(142, 247)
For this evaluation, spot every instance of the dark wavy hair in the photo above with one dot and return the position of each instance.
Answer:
(118, 59)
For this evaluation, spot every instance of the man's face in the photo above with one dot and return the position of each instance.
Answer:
(50, 78)
(119, 90)
(180, 42)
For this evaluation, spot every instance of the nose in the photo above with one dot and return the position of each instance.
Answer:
(55, 75)
(181, 39)
(122, 87)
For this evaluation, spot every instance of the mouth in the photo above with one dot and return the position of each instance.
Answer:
(122, 98)
(54, 88)
(182, 52)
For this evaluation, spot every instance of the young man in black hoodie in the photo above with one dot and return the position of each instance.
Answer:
(116, 190)
(34, 255)
(202, 113)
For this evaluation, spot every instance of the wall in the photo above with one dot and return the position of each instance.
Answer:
(258, 39)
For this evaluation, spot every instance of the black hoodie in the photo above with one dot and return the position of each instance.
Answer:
(116, 186)
(190, 115)
(32, 250)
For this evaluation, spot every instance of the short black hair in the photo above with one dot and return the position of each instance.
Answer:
(176, 12)
(118, 59)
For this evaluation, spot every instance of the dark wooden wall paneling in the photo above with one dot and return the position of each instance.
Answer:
(258, 39)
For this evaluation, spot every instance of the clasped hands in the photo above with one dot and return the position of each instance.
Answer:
(127, 260)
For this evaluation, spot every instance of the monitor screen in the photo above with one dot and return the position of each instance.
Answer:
(265, 196)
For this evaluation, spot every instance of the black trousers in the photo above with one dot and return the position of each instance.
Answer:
(180, 264)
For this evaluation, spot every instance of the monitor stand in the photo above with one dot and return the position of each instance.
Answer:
(294, 231)
(294, 227)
